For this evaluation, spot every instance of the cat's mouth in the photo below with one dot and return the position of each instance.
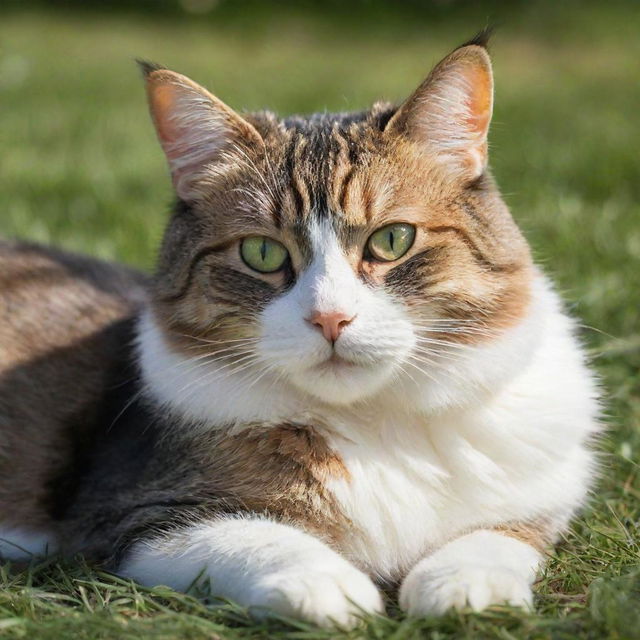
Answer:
(342, 378)
(336, 363)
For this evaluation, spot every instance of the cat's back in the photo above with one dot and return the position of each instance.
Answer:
(52, 299)
(66, 321)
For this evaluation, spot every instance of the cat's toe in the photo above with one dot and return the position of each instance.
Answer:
(433, 592)
(328, 597)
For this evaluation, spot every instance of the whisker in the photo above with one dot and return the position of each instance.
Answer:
(210, 376)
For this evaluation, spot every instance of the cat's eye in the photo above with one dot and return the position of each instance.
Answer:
(391, 242)
(263, 254)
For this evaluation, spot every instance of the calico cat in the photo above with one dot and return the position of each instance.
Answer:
(346, 372)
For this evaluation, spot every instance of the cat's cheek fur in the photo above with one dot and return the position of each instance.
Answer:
(180, 383)
(375, 355)
(541, 340)
(260, 564)
(478, 570)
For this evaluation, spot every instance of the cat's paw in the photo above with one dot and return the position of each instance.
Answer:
(434, 591)
(478, 570)
(336, 594)
(266, 566)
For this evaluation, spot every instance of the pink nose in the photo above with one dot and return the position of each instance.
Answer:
(331, 324)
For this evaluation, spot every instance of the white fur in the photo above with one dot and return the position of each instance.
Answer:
(20, 544)
(480, 436)
(206, 395)
(476, 570)
(263, 565)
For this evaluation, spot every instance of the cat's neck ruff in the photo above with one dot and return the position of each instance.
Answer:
(211, 398)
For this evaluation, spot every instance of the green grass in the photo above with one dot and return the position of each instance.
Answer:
(80, 167)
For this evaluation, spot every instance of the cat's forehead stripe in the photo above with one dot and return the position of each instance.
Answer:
(320, 172)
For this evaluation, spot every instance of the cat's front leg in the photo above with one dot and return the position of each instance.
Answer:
(260, 564)
(480, 569)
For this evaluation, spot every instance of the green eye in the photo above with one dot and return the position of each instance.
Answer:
(263, 254)
(391, 242)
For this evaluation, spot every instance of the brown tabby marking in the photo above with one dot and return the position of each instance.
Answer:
(282, 471)
(540, 535)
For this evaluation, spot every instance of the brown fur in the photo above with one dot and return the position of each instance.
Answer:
(282, 471)
(57, 311)
(276, 471)
(540, 535)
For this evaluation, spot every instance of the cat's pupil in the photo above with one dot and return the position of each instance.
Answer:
(391, 240)
(263, 249)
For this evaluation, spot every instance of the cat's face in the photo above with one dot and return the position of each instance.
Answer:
(341, 252)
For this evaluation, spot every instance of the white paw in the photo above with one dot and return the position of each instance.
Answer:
(477, 571)
(335, 595)
(263, 565)
(433, 592)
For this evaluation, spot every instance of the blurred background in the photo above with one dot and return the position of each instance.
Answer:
(80, 166)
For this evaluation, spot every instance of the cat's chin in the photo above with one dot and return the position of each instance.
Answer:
(339, 381)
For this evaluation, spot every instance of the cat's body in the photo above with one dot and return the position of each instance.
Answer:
(421, 418)
(67, 327)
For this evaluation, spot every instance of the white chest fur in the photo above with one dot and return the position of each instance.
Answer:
(408, 496)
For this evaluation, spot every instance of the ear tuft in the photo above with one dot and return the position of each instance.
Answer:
(481, 39)
(147, 67)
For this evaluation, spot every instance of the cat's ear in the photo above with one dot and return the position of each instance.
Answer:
(450, 111)
(196, 129)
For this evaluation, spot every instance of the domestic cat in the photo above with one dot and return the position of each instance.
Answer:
(346, 372)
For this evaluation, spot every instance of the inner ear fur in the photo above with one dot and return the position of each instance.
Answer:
(195, 128)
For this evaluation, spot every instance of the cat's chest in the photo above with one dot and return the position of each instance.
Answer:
(405, 498)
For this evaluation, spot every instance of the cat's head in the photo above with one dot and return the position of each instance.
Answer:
(338, 253)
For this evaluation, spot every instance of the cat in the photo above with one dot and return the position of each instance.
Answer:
(346, 372)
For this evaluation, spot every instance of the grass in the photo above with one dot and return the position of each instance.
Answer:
(79, 167)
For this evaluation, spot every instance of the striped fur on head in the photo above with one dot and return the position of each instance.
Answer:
(321, 185)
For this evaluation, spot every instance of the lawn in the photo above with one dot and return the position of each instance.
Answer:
(80, 167)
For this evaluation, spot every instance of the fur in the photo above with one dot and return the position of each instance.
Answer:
(202, 427)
